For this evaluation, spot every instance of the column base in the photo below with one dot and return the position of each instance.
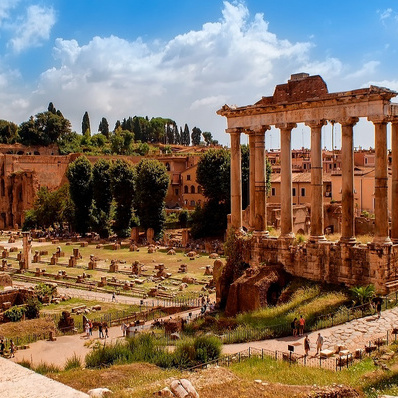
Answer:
(382, 241)
(288, 236)
(348, 241)
(261, 234)
(317, 238)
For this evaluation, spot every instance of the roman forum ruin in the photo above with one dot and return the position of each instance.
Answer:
(305, 99)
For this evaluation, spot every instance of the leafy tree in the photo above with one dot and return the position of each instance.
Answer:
(208, 137)
(45, 128)
(123, 184)
(86, 129)
(183, 218)
(196, 135)
(50, 208)
(103, 127)
(102, 195)
(121, 142)
(213, 174)
(69, 143)
(152, 182)
(51, 108)
(79, 174)
(8, 132)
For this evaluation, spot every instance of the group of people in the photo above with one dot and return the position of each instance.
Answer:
(102, 329)
(12, 348)
(298, 326)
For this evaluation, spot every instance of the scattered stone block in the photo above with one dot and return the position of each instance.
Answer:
(114, 267)
(326, 353)
(183, 388)
(13, 249)
(53, 259)
(72, 261)
(83, 244)
(208, 270)
(36, 257)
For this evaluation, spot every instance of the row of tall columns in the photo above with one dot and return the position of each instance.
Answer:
(394, 185)
(257, 180)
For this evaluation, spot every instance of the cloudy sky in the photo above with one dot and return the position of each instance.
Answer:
(184, 59)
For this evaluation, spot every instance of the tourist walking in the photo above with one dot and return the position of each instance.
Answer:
(378, 309)
(293, 325)
(301, 325)
(319, 343)
(106, 331)
(124, 328)
(90, 326)
(306, 345)
(113, 296)
(12, 348)
(87, 329)
(100, 333)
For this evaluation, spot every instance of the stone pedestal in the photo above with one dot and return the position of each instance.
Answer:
(53, 259)
(114, 267)
(72, 261)
(185, 237)
(36, 257)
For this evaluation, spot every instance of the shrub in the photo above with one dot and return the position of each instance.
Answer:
(15, 313)
(32, 308)
(185, 354)
(207, 348)
(45, 368)
(109, 355)
(73, 362)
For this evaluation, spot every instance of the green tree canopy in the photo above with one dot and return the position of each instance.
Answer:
(50, 208)
(123, 184)
(103, 127)
(152, 182)
(8, 132)
(44, 129)
(196, 135)
(79, 174)
(102, 198)
(86, 128)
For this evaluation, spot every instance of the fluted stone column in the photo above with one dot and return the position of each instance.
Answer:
(236, 179)
(260, 184)
(381, 182)
(317, 233)
(286, 180)
(394, 185)
(252, 180)
(347, 172)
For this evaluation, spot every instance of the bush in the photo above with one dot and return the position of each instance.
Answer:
(73, 362)
(32, 308)
(207, 348)
(45, 368)
(108, 355)
(15, 314)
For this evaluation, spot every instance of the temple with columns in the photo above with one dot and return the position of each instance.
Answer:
(305, 99)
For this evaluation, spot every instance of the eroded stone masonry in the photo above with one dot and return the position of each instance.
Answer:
(305, 99)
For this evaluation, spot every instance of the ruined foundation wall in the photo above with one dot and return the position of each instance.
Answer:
(333, 262)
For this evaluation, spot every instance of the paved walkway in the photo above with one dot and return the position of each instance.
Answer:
(17, 381)
(353, 334)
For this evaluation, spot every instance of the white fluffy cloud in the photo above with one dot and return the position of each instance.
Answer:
(236, 59)
(33, 28)
(5, 7)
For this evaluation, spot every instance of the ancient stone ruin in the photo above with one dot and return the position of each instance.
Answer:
(305, 99)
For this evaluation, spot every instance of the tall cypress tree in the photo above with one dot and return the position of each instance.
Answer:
(103, 127)
(86, 129)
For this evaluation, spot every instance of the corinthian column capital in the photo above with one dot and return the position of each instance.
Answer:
(234, 130)
(378, 119)
(315, 123)
(261, 129)
(286, 126)
(348, 121)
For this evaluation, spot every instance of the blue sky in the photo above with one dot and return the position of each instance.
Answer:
(184, 59)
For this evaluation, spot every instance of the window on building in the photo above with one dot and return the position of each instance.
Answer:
(273, 192)
(186, 189)
(366, 160)
(188, 177)
(176, 191)
(302, 192)
(192, 189)
(293, 191)
(192, 203)
(168, 166)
